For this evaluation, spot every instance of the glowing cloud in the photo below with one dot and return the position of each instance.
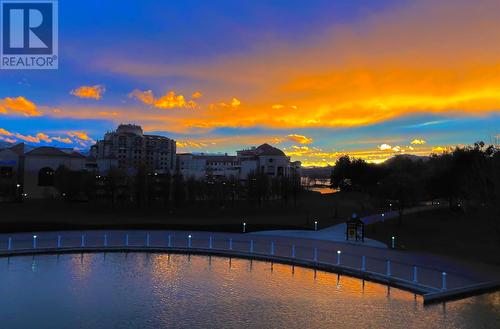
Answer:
(43, 137)
(93, 92)
(385, 147)
(18, 105)
(7, 139)
(418, 142)
(235, 102)
(168, 101)
(191, 144)
(146, 96)
(5, 132)
(196, 95)
(27, 138)
(80, 135)
(65, 140)
(359, 75)
(299, 139)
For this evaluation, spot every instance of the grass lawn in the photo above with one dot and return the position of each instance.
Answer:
(328, 209)
(473, 236)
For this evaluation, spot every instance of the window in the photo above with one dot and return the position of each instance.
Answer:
(46, 177)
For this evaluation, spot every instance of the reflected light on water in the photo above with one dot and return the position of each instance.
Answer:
(142, 290)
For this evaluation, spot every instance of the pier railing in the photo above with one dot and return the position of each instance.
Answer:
(422, 279)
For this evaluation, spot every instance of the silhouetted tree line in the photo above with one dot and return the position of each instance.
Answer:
(466, 177)
(146, 188)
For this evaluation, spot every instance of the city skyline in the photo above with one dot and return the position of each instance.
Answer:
(370, 79)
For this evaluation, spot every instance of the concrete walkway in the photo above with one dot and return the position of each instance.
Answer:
(337, 232)
(422, 274)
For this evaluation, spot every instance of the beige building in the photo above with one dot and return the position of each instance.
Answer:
(132, 148)
(40, 165)
(265, 159)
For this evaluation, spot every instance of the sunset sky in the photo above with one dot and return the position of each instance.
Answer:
(315, 78)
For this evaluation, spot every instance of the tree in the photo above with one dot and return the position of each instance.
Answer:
(179, 189)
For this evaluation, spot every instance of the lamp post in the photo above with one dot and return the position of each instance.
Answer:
(393, 244)
(34, 241)
(338, 257)
(244, 227)
(315, 225)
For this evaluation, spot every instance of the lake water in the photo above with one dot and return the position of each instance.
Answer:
(140, 290)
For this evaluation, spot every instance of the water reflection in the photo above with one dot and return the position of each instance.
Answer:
(141, 290)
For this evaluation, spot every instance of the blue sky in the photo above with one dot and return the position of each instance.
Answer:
(316, 78)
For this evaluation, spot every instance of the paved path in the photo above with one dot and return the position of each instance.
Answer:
(321, 254)
(337, 232)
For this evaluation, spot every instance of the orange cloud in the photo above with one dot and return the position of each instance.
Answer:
(107, 114)
(299, 139)
(94, 92)
(7, 139)
(77, 137)
(80, 135)
(43, 137)
(168, 101)
(190, 144)
(361, 75)
(196, 95)
(5, 132)
(146, 96)
(235, 102)
(65, 140)
(418, 142)
(27, 138)
(18, 105)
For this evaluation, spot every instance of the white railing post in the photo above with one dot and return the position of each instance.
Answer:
(210, 243)
(105, 240)
(189, 241)
(388, 268)
(443, 283)
(293, 251)
(169, 242)
(315, 254)
(126, 240)
(82, 242)
(230, 244)
(9, 244)
(338, 257)
(415, 274)
(363, 263)
(147, 240)
(251, 246)
(34, 241)
(58, 241)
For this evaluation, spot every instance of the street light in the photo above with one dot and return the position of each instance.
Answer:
(392, 242)
(315, 225)
(244, 227)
